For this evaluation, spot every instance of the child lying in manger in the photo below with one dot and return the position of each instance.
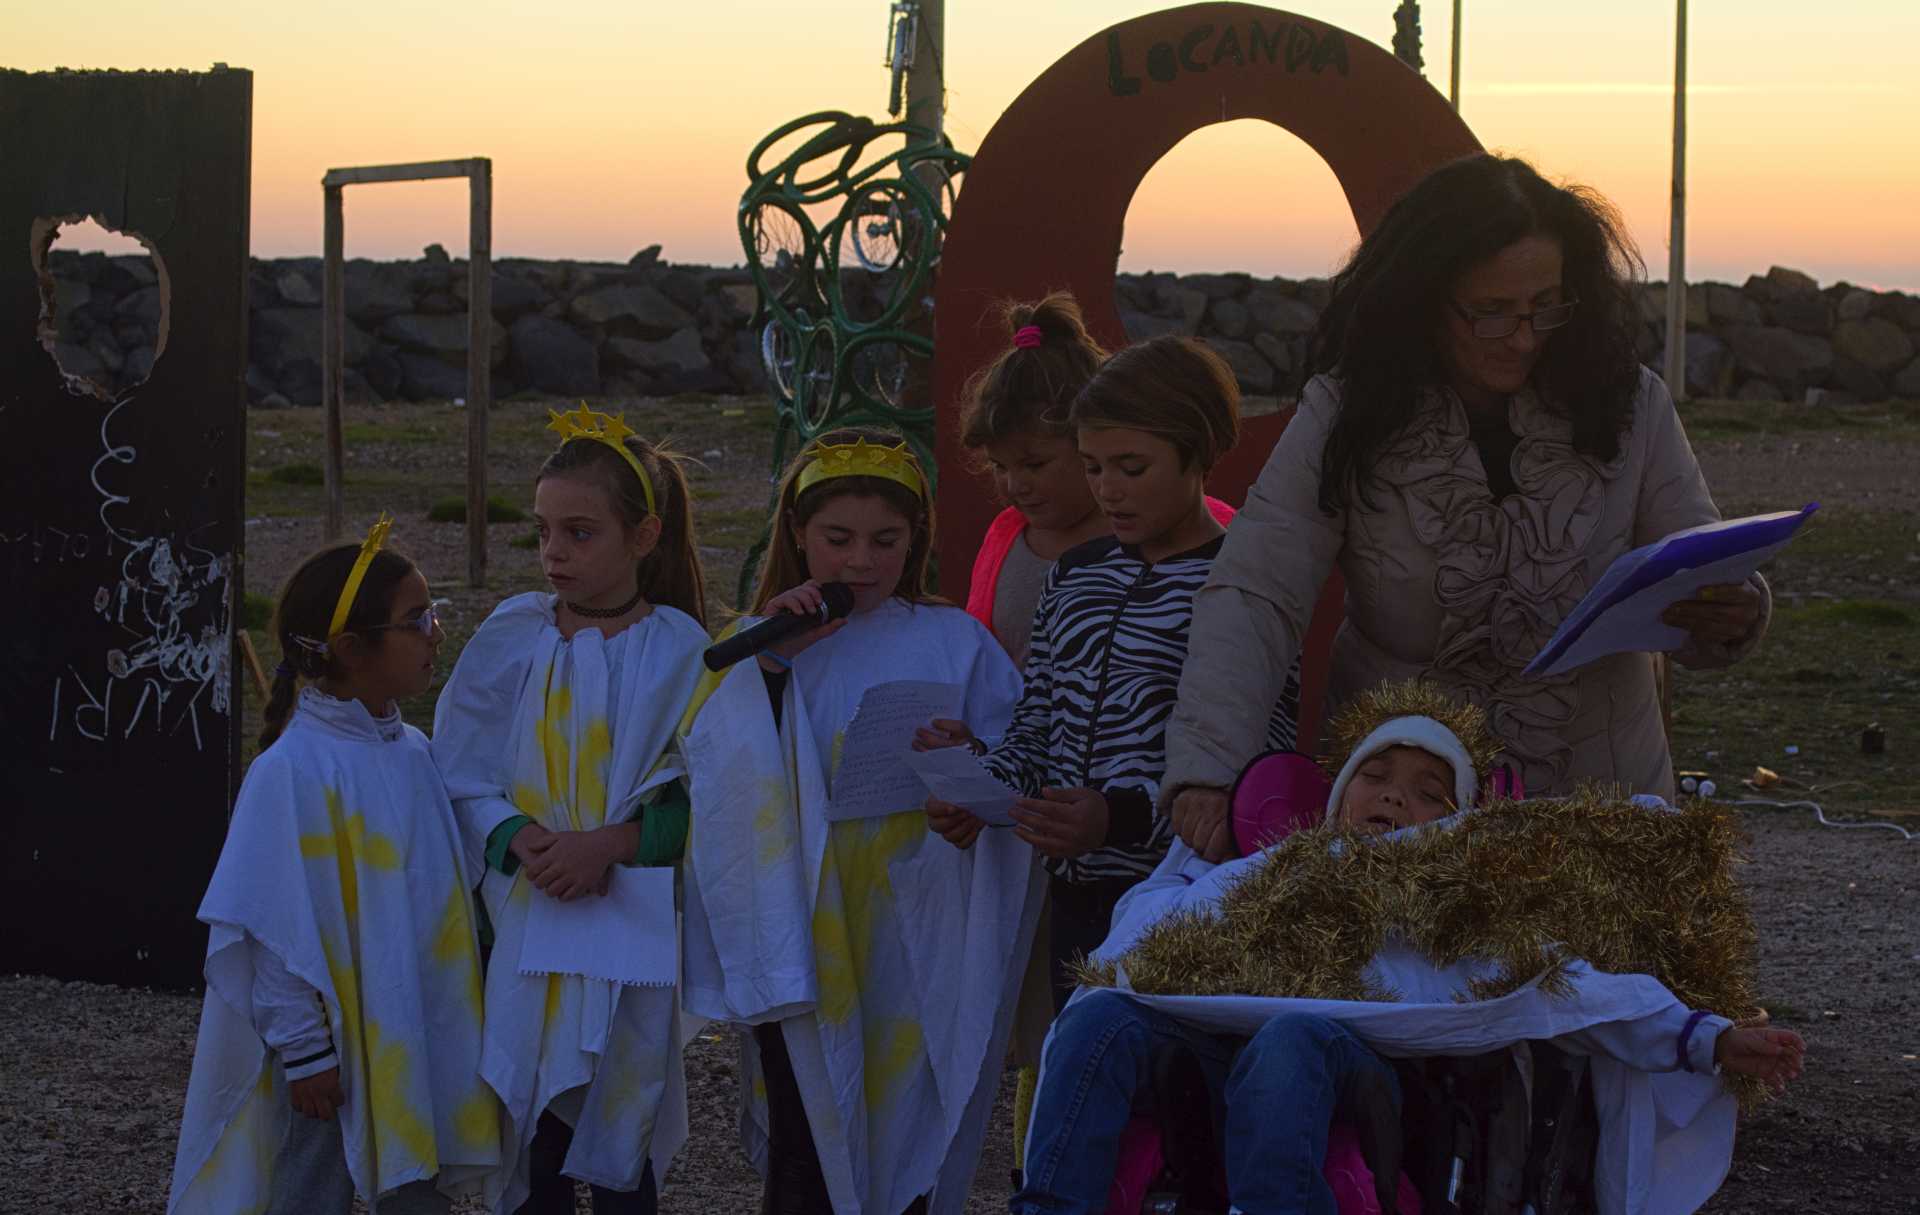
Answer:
(1417, 922)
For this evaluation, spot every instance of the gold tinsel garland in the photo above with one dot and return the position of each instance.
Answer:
(1412, 698)
(1527, 885)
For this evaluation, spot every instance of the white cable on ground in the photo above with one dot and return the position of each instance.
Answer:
(1819, 814)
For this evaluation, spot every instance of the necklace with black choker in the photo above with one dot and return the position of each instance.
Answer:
(605, 613)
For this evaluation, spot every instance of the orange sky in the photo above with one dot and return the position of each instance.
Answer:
(615, 124)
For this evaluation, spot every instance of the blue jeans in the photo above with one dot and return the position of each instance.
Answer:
(1279, 1089)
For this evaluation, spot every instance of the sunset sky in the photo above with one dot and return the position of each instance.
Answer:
(615, 124)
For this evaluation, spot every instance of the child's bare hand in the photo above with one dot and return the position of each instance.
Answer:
(318, 1095)
(530, 841)
(952, 824)
(1063, 823)
(574, 864)
(1773, 1055)
(945, 732)
(802, 600)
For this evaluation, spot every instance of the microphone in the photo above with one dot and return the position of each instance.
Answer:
(836, 601)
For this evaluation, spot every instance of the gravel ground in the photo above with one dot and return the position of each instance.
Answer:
(92, 1078)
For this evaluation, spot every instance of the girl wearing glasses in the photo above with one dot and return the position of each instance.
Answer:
(339, 1047)
(1475, 443)
(555, 734)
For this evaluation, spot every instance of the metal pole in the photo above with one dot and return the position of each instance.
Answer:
(927, 81)
(1453, 89)
(927, 107)
(479, 362)
(1676, 292)
(333, 310)
(1677, 238)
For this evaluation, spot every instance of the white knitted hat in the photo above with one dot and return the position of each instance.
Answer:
(1422, 732)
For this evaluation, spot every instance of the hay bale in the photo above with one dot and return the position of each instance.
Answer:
(1528, 885)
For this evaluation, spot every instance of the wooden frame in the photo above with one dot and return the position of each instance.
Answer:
(479, 174)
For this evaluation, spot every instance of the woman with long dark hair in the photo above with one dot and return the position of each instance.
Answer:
(1475, 443)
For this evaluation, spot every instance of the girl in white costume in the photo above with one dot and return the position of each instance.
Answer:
(339, 1044)
(876, 965)
(554, 734)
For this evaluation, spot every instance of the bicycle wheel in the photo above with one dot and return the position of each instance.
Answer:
(778, 352)
(780, 244)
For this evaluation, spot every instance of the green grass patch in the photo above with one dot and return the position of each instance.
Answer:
(454, 510)
(303, 473)
(1842, 551)
(267, 498)
(256, 611)
(1825, 671)
(1813, 675)
(410, 432)
(734, 528)
(1867, 613)
(529, 541)
(1712, 419)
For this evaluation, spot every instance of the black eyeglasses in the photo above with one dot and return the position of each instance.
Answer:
(1507, 324)
(422, 624)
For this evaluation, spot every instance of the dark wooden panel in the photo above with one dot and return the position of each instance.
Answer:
(121, 532)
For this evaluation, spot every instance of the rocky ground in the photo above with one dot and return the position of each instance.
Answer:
(92, 1077)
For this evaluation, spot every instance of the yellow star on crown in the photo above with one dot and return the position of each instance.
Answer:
(862, 459)
(608, 428)
(584, 423)
(375, 541)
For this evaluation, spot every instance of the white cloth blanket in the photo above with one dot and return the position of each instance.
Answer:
(343, 859)
(571, 733)
(1666, 1136)
(888, 957)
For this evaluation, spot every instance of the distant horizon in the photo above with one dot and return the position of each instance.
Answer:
(613, 125)
(1655, 274)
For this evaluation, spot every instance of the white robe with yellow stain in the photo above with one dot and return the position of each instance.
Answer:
(890, 958)
(572, 733)
(344, 860)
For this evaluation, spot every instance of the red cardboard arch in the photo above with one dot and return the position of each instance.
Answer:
(1045, 202)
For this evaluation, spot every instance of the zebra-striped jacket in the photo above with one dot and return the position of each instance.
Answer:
(1109, 639)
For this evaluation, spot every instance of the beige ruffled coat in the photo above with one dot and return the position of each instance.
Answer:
(1445, 583)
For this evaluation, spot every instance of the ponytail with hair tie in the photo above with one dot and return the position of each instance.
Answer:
(1050, 357)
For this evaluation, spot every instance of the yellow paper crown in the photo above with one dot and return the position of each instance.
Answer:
(375, 541)
(862, 459)
(608, 428)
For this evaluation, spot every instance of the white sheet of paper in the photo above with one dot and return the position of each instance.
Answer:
(872, 780)
(626, 935)
(956, 775)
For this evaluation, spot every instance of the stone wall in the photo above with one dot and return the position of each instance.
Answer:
(651, 328)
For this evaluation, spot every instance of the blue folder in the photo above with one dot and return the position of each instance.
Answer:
(1665, 558)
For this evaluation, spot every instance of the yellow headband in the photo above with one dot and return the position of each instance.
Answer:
(862, 459)
(608, 428)
(375, 541)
